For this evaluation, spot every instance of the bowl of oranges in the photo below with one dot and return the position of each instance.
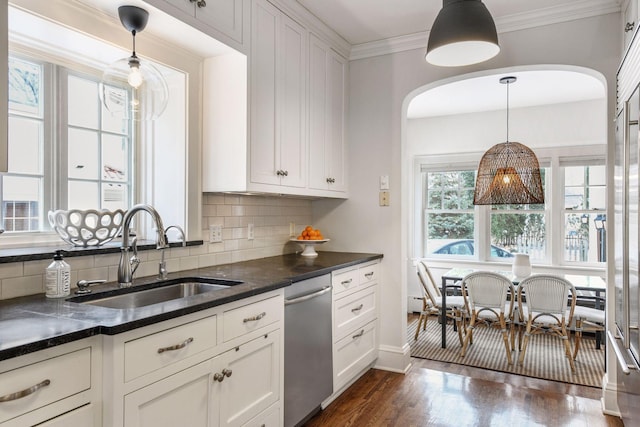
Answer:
(308, 239)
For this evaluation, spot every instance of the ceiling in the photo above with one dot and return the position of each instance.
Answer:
(370, 21)
(365, 21)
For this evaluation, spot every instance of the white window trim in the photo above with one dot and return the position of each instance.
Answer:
(548, 157)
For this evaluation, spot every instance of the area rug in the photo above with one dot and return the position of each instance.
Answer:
(544, 358)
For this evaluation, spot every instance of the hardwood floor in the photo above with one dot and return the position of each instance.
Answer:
(446, 394)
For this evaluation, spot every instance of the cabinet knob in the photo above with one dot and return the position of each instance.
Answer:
(220, 376)
(285, 173)
(279, 172)
(201, 3)
(331, 180)
(629, 26)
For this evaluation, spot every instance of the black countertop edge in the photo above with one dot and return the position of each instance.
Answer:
(78, 321)
(35, 253)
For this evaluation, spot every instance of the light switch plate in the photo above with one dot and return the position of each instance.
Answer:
(250, 231)
(292, 229)
(384, 182)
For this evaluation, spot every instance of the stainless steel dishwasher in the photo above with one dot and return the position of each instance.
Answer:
(308, 367)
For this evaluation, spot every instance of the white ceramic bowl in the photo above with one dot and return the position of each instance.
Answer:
(86, 227)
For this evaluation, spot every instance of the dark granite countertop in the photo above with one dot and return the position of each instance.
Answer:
(33, 323)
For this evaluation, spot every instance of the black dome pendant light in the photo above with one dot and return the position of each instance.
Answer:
(463, 33)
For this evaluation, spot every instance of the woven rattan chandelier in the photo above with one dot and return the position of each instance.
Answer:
(509, 172)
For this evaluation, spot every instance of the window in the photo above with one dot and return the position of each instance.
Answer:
(573, 232)
(449, 214)
(583, 211)
(56, 119)
(520, 228)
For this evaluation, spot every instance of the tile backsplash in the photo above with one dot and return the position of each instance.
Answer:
(270, 216)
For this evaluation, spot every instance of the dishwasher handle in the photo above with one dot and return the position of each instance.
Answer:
(308, 296)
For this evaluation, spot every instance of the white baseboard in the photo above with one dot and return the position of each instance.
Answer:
(609, 399)
(394, 359)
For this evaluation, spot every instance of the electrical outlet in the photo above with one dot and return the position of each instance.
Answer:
(215, 233)
(250, 231)
(292, 229)
(384, 198)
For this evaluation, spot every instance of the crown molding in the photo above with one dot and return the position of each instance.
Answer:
(552, 15)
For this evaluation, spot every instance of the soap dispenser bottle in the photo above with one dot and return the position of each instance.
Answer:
(58, 277)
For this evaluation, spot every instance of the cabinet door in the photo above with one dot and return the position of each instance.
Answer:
(327, 109)
(337, 68)
(291, 112)
(254, 382)
(179, 400)
(278, 87)
(630, 21)
(223, 15)
(263, 154)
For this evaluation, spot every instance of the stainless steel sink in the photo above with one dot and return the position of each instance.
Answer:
(158, 294)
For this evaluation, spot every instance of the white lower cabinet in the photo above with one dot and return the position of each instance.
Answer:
(253, 384)
(179, 400)
(55, 386)
(355, 317)
(219, 367)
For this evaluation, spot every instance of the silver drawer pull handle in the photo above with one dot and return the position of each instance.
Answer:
(183, 344)
(220, 376)
(369, 275)
(359, 334)
(358, 308)
(254, 318)
(24, 393)
(346, 282)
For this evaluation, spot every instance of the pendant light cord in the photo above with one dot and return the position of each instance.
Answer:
(508, 83)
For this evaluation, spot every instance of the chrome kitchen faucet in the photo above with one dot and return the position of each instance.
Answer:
(125, 272)
(162, 268)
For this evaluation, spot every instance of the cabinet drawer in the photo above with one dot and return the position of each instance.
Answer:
(247, 318)
(354, 353)
(369, 273)
(51, 380)
(268, 418)
(353, 310)
(152, 352)
(344, 280)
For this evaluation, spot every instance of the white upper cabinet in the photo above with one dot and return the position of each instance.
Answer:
(630, 21)
(4, 109)
(222, 19)
(293, 140)
(277, 96)
(327, 111)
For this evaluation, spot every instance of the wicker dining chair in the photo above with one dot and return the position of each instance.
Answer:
(432, 302)
(590, 320)
(542, 304)
(489, 301)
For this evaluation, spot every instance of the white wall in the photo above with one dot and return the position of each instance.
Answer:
(569, 124)
(378, 88)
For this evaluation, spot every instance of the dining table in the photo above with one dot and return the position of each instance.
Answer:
(588, 286)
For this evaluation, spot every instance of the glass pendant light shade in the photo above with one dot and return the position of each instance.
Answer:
(149, 93)
(463, 33)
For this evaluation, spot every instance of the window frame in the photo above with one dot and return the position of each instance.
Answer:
(55, 180)
(550, 158)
